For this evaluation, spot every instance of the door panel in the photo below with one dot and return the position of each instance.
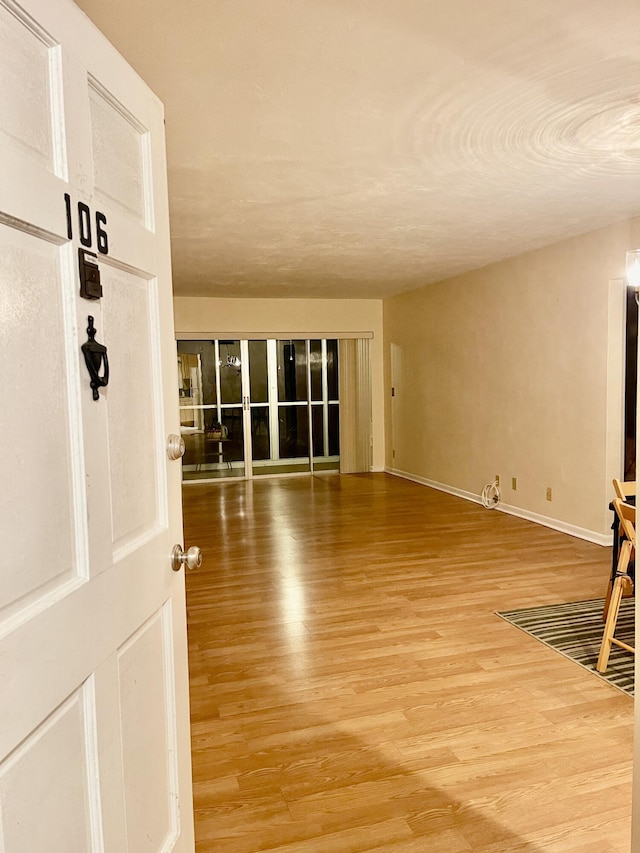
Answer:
(132, 406)
(148, 742)
(94, 722)
(120, 155)
(49, 776)
(31, 298)
(27, 72)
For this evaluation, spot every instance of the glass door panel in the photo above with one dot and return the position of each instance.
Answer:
(293, 424)
(197, 373)
(334, 431)
(292, 371)
(332, 407)
(231, 445)
(332, 370)
(228, 436)
(316, 369)
(326, 436)
(317, 424)
(230, 372)
(205, 454)
(292, 406)
(192, 437)
(258, 372)
(260, 434)
(209, 375)
(262, 402)
(324, 404)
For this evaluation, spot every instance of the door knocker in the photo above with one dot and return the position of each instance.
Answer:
(95, 357)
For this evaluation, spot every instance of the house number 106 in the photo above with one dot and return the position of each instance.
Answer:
(84, 226)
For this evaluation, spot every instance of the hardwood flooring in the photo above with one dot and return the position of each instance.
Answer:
(352, 689)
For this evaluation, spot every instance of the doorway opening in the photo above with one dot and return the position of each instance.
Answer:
(630, 385)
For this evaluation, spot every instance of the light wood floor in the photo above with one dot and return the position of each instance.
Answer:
(352, 689)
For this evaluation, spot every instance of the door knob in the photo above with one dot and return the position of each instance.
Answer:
(192, 558)
(175, 447)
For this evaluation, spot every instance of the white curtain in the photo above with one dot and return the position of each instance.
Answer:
(355, 405)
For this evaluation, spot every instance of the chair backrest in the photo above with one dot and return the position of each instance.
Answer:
(627, 515)
(624, 488)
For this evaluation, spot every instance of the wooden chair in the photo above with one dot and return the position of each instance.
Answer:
(625, 489)
(622, 582)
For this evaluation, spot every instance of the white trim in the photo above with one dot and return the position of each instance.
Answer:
(605, 539)
(267, 336)
(92, 763)
(58, 126)
(29, 23)
(171, 704)
(616, 369)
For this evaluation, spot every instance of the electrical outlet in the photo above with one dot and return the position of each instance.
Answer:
(497, 480)
(549, 493)
(514, 483)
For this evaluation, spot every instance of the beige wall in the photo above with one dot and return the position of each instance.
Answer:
(291, 318)
(515, 369)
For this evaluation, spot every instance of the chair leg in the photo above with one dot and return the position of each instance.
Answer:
(610, 625)
(619, 586)
(607, 599)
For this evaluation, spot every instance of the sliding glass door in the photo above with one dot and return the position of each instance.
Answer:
(251, 407)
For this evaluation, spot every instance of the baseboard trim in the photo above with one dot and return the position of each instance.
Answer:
(606, 540)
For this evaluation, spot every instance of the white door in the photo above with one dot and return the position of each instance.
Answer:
(94, 729)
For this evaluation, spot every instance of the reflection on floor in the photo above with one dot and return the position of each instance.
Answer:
(208, 474)
(223, 472)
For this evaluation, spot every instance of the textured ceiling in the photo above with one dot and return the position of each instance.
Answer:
(359, 148)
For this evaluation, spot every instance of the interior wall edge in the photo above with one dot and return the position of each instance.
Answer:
(266, 336)
(615, 388)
